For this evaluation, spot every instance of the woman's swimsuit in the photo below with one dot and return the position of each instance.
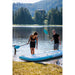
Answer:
(32, 43)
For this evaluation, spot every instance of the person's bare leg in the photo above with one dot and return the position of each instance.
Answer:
(31, 50)
(15, 51)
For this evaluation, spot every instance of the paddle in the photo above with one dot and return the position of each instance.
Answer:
(17, 46)
(45, 31)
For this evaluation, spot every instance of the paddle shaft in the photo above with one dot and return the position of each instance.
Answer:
(23, 45)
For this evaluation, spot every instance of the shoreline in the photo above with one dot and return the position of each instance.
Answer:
(36, 25)
(57, 61)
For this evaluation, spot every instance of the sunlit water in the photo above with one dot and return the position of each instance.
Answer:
(43, 47)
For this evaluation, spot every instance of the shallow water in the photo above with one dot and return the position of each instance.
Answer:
(43, 47)
(21, 36)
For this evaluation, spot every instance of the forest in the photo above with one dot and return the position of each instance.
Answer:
(41, 17)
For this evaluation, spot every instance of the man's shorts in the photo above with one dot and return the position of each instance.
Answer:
(56, 46)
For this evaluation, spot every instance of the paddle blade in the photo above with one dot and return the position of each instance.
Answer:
(17, 47)
(46, 32)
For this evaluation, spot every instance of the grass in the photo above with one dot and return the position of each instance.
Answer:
(31, 68)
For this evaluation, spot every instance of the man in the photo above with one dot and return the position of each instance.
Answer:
(56, 39)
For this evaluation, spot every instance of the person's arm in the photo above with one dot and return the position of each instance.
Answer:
(37, 43)
(29, 40)
(52, 39)
(59, 40)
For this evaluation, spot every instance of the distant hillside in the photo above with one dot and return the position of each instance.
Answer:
(44, 4)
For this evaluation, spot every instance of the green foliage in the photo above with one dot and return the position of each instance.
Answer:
(54, 16)
(22, 16)
(42, 4)
(40, 16)
(45, 22)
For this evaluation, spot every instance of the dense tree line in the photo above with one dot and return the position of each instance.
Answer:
(42, 4)
(39, 16)
(23, 16)
(54, 16)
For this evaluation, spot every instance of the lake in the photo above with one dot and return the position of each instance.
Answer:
(21, 35)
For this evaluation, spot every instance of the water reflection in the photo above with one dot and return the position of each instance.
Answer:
(25, 32)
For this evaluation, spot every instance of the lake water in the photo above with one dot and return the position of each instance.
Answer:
(21, 36)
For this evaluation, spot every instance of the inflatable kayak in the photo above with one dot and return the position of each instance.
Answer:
(44, 56)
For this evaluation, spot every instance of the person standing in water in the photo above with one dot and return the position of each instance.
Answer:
(56, 39)
(33, 40)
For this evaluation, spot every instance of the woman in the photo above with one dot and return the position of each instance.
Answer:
(33, 40)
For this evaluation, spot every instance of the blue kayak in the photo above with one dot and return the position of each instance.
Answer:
(40, 57)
